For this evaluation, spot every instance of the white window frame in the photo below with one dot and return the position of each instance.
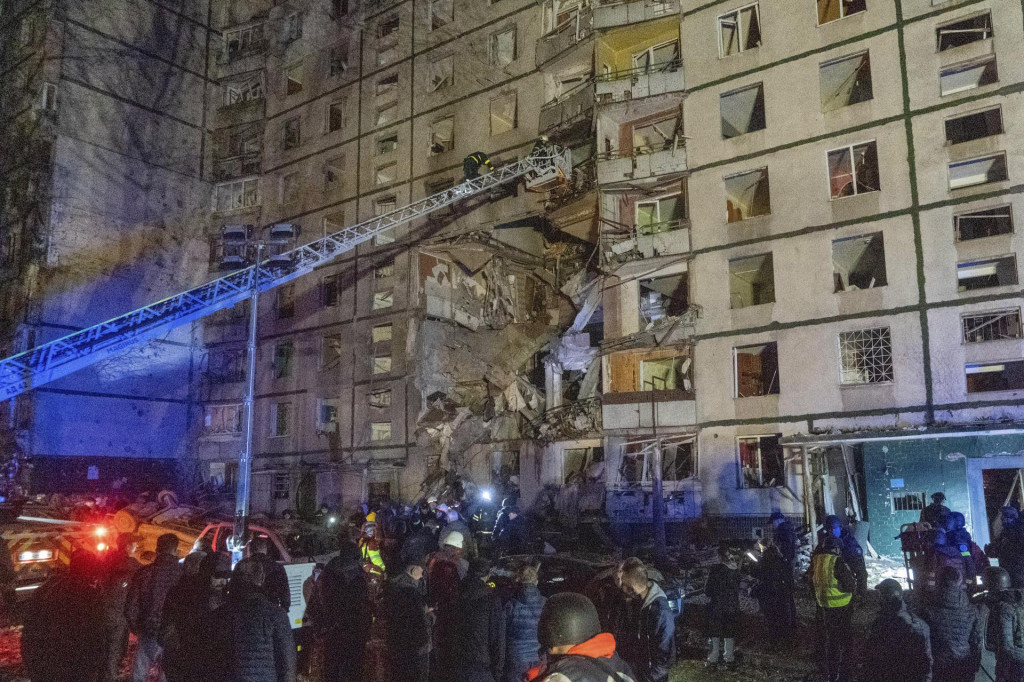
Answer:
(853, 170)
(965, 65)
(657, 204)
(995, 156)
(649, 52)
(274, 419)
(997, 313)
(243, 185)
(739, 21)
(841, 14)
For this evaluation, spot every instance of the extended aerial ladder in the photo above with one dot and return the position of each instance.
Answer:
(544, 169)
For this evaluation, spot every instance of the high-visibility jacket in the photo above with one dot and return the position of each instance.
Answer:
(372, 560)
(826, 567)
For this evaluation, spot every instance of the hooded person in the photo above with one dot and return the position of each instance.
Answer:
(956, 630)
(898, 646)
(650, 647)
(185, 628)
(784, 537)
(934, 511)
(574, 648)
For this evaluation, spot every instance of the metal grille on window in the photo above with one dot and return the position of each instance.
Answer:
(907, 502)
(866, 356)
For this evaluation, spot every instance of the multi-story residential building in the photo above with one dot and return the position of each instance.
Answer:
(103, 189)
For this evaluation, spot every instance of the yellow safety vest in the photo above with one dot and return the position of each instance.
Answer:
(826, 585)
(373, 557)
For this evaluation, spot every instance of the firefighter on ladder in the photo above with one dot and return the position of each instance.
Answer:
(369, 551)
(471, 165)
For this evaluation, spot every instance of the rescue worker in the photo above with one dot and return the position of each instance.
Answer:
(457, 525)
(575, 649)
(472, 163)
(650, 648)
(784, 537)
(521, 616)
(723, 619)
(369, 553)
(775, 594)
(934, 511)
(956, 630)
(344, 624)
(974, 559)
(407, 622)
(147, 592)
(275, 584)
(1003, 613)
(120, 567)
(898, 647)
(444, 570)
(939, 556)
(833, 584)
(1009, 547)
(479, 630)
(508, 505)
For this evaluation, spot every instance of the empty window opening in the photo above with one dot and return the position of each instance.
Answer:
(335, 116)
(995, 376)
(382, 299)
(995, 325)
(742, 111)
(660, 215)
(853, 170)
(388, 86)
(845, 81)
(858, 262)
(385, 205)
(982, 274)
(247, 90)
(751, 281)
(662, 297)
(865, 356)
(501, 47)
(290, 188)
(912, 502)
(330, 290)
(578, 461)
(442, 13)
(978, 171)
(757, 370)
(387, 143)
(739, 30)
(387, 115)
(330, 351)
(284, 355)
(761, 461)
(292, 27)
(292, 136)
(380, 398)
(281, 419)
(327, 415)
(678, 461)
(381, 364)
(654, 137)
(747, 195)
(441, 73)
(333, 222)
(380, 431)
(293, 79)
(663, 57)
(665, 374)
(385, 237)
(381, 333)
(831, 10)
(48, 97)
(337, 61)
(285, 301)
(974, 126)
(964, 32)
(388, 27)
(226, 366)
(442, 135)
(386, 174)
(224, 419)
(282, 483)
(969, 75)
(504, 113)
(987, 222)
(384, 270)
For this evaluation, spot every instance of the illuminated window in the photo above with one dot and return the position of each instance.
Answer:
(381, 332)
(380, 431)
(980, 171)
(293, 79)
(747, 195)
(751, 281)
(968, 75)
(382, 364)
(382, 300)
(831, 10)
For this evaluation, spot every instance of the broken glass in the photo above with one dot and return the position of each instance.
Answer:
(969, 75)
(982, 274)
(751, 281)
(831, 10)
(441, 73)
(757, 370)
(761, 461)
(964, 32)
(992, 326)
(664, 296)
(853, 170)
(858, 262)
(987, 222)
(740, 30)
(845, 81)
(742, 111)
(747, 195)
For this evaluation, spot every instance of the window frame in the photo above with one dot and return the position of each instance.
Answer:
(817, 14)
(770, 256)
(853, 169)
(431, 132)
(987, 260)
(960, 20)
(965, 65)
(845, 371)
(1000, 159)
(736, 372)
(758, 438)
(764, 173)
(956, 225)
(759, 86)
(739, 21)
(327, 343)
(975, 112)
(286, 136)
(991, 363)
(275, 419)
(863, 55)
(996, 313)
(448, 62)
(492, 47)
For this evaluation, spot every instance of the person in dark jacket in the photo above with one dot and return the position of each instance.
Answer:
(276, 585)
(956, 630)
(515, 536)
(775, 594)
(974, 559)
(575, 648)
(187, 617)
(407, 625)
(650, 648)
(522, 613)
(898, 647)
(833, 583)
(344, 626)
(443, 580)
(508, 506)
(939, 556)
(472, 163)
(784, 537)
(1002, 612)
(119, 567)
(418, 544)
(1008, 547)
(935, 511)
(853, 555)
(479, 630)
(147, 592)
(251, 638)
(723, 621)
(612, 604)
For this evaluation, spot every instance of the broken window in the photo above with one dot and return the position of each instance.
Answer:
(964, 31)
(386, 55)
(504, 465)
(504, 113)
(388, 86)
(968, 75)
(381, 364)
(559, 15)
(282, 484)
(831, 10)
(382, 238)
(742, 111)
(858, 263)
(865, 356)
(330, 290)
(845, 81)
(382, 299)
(747, 195)
(678, 462)
(327, 415)
(995, 376)
(244, 41)
(386, 115)
(224, 419)
(284, 352)
(761, 461)
(576, 462)
(284, 302)
(289, 188)
(757, 370)
(292, 136)
(293, 79)
(663, 57)
(381, 333)
(385, 205)
(994, 325)
(662, 297)
(226, 366)
(853, 170)
(441, 73)
(987, 222)
(982, 274)
(387, 143)
(281, 419)
(380, 431)
(333, 170)
(739, 30)
(337, 61)
(380, 398)
(330, 351)
(335, 116)
(665, 374)
(974, 126)
(978, 171)
(387, 27)
(442, 135)
(911, 502)
(501, 47)
(247, 90)
(292, 27)
(654, 137)
(237, 194)
(751, 281)
(442, 13)
(660, 215)
(386, 174)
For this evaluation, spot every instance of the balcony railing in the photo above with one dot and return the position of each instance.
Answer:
(568, 108)
(239, 166)
(565, 36)
(646, 241)
(612, 13)
(641, 81)
(641, 162)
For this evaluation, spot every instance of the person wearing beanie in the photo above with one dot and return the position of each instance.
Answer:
(898, 647)
(479, 635)
(936, 510)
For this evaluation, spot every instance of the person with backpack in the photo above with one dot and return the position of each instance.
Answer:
(898, 647)
(955, 630)
(833, 584)
(1004, 629)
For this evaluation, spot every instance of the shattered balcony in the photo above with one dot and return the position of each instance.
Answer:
(568, 109)
(573, 28)
(630, 165)
(648, 241)
(231, 167)
(641, 81)
(648, 389)
(612, 13)
(572, 421)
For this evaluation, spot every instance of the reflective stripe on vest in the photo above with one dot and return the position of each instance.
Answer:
(826, 585)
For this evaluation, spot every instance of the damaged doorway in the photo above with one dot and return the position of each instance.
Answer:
(989, 481)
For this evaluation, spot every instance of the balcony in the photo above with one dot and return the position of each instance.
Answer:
(568, 34)
(633, 410)
(638, 164)
(568, 109)
(232, 167)
(641, 81)
(650, 241)
(613, 13)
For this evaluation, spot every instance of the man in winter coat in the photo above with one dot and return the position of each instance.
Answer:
(443, 578)
(1002, 610)
(515, 536)
(479, 630)
(344, 625)
(575, 648)
(407, 625)
(119, 567)
(898, 647)
(974, 560)
(833, 583)
(936, 510)
(939, 556)
(418, 544)
(185, 632)
(1009, 547)
(612, 604)
(775, 594)
(956, 630)
(251, 638)
(147, 592)
(650, 649)
(522, 614)
(784, 537)
(275, 586)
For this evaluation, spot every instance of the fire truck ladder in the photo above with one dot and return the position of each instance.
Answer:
(19, 373)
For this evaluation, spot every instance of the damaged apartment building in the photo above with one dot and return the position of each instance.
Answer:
(784, 272)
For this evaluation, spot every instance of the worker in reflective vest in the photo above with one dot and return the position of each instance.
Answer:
(471, 165)
(369, 551)
(833, 583)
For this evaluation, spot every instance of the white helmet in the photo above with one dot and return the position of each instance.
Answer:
(454, 539)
